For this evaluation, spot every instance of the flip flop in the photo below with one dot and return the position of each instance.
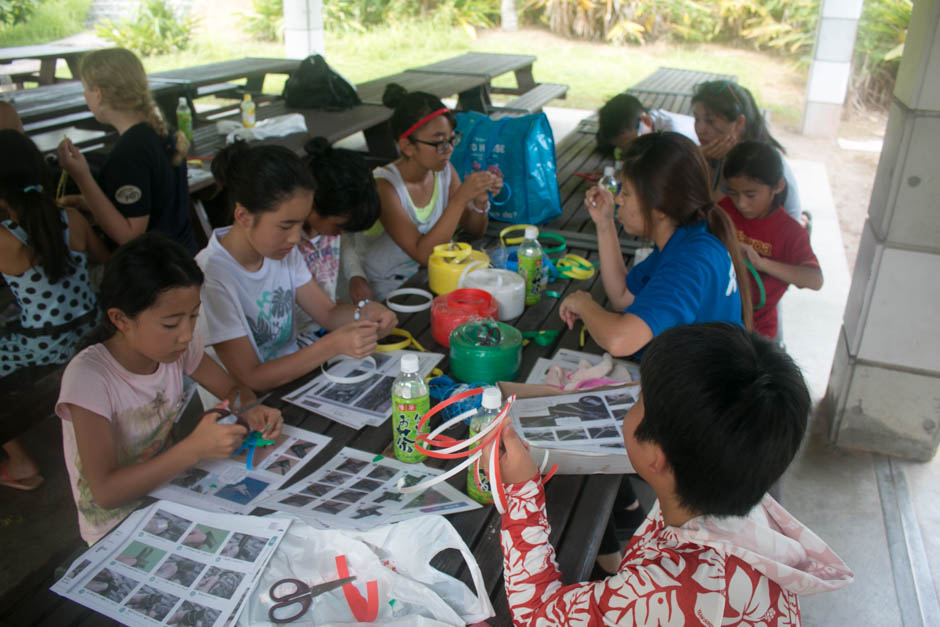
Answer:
(26, 483)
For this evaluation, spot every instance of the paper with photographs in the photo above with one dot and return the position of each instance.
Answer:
(226, 485)
(569, 360)
(357, 405)
(359, 490)
(171, 564)
(589, 421)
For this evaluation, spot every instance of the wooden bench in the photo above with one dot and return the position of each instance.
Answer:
(533, 100)
(672, 88)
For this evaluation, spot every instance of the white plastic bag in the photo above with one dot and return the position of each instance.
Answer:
(396, 557)
(278, 126)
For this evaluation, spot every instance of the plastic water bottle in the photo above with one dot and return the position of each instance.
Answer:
(184, 119)
(492, 403)
(530, 265)
(410, 401)
(609, 181)
(248, 111)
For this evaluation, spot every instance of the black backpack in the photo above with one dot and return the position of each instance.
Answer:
(315, 85)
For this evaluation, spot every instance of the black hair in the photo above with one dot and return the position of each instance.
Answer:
(410, 107)
(344, 185)
(259, 177)
(619, 114)
(729, 410)
(137, 273)
(669, 173)
(758, 161)
(729, 100)
(26, 186)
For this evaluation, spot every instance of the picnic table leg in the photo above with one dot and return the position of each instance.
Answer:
(380, 142)
(476, 99)
(255, 84)
(524, 79)
(47, 71)
(74, 63)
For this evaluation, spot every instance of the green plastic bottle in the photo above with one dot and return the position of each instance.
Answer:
(530, 265)
(184, 119)
(492, 403)
(410, 401)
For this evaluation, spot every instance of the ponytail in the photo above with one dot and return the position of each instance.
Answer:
(720, 225)
(259, 177)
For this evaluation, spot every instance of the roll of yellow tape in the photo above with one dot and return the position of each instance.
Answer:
(448, 262)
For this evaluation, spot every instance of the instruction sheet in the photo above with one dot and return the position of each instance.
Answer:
(170, 564)
(568, 360)
(364, 403)
(359, 490)
(226, 485)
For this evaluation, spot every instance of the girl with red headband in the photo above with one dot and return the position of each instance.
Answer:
(423, 200)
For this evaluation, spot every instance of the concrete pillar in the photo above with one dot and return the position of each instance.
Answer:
(884, 390)
(832, 64)
(303, 28)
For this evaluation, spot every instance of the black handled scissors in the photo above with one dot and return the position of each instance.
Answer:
(301, 596)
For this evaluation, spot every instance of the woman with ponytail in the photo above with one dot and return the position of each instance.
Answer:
(142, 185)
(43, 256)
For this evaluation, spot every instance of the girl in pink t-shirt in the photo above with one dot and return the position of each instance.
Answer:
(122, 394)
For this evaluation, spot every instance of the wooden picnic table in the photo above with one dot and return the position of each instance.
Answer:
(490, 65)
(472, 89)
(47, 55)
(672, 88)
(253, 69)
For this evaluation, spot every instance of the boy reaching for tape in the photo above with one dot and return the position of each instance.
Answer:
(714, 549)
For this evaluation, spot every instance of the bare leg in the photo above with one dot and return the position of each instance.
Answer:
(19, 465)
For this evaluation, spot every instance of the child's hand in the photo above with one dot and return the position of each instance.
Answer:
(71, 159)
(573, 306)
(515, 462)
(753, 256)
(210, 440)
(379, 313)
(359, 289)
(265, 419)
(720, 146)
(475, 187)
(600, 204)
(356, 339)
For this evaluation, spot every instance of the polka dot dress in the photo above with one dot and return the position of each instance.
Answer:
(54, 317)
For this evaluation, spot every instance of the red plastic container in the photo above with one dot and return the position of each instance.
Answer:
(451, 310)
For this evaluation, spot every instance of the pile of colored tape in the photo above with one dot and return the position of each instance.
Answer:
(506, 287)
(451, 310)
(485, 351)
(449, 261)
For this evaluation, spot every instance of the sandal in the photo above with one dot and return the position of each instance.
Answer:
(26, 483)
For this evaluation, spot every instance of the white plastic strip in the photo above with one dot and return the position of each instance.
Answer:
(408, 308)
(348, 380)
(424, 485)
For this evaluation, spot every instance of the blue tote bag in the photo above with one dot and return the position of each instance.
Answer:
(523, 149)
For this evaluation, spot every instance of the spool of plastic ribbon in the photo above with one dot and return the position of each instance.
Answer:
(485, 351)
(409, 341)
(506, 287)
(448, 262)
(408, 308)
(451, 310)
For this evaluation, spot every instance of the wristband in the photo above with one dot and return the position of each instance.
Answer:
(362, 303)
(408, 308)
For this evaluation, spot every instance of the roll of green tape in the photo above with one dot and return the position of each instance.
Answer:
(485, 351)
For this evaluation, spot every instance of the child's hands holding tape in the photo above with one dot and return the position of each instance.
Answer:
(382, 315)
(515, 463)
(210, 440)
(356, 339)
(265, 419)
(71, 159)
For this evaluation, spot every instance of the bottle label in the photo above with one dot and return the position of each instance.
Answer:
(481, 494)
(406, 414)
(531, 270)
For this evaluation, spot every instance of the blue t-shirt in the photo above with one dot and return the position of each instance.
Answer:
(690, 280)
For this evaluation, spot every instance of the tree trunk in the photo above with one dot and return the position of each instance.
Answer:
(510, 22)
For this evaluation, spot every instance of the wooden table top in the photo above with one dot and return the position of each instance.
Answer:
(224, 71)
(42, 51)
(488, 64)
(441, 85)
(49, 101)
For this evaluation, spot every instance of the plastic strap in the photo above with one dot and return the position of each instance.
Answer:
(562, 243)
(350, 380)
(402, 345)
(470, 268)
(575, 267)
(458, 251)
(364, 610)
(511, 229)
(408, 308)
(760, 285)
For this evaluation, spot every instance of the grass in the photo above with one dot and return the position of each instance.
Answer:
(53, 19)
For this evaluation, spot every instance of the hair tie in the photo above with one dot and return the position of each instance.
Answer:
(32, 188)
(423, 121)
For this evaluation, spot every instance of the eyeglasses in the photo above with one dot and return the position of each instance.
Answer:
(440, 146)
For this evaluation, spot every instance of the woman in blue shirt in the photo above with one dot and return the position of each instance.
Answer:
(692, 274)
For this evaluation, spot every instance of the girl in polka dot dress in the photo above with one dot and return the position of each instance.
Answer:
(43, 260)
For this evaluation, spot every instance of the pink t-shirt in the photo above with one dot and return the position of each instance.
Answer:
(142, 410)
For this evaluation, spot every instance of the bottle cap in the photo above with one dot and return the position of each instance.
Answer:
(409, 364)
(492, 398)
(609, 170)
(182, 100)
(531, 232)
(246, 97)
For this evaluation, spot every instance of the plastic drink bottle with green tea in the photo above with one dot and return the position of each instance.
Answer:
(410, 401)
(530, 265)
(184, 119)
(492, 403)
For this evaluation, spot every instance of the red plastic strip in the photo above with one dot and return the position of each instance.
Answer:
(364, 611)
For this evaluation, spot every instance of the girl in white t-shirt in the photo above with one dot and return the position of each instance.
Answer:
(122, 394)
(255, 274)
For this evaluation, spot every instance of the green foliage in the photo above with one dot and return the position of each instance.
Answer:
(13, 12)
(266, 23)
(52, 19)
(156, 29)
(345, 16)
(878, 49)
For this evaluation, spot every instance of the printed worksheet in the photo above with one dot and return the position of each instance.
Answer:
(359, 490)
(582, 421)
(568, 359)
(171, 564)
(363, 403)
(226, 485)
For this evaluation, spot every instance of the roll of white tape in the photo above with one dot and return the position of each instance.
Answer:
(507, 287)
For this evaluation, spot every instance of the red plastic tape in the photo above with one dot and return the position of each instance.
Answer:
(364, 610)
(451, 310)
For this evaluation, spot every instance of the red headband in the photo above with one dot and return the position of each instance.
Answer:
(423, 121)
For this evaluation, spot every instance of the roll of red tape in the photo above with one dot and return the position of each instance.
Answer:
(451, 310)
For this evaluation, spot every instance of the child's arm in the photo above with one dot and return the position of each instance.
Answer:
(474, 222)
(600, 206)
(618, 334)
(798, 275)
(351, 265)
(86, 237)
(331, 316)
(220, 383)
(113, 485)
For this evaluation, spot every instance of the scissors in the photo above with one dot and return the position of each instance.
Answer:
(234, 415)
(301, 596)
